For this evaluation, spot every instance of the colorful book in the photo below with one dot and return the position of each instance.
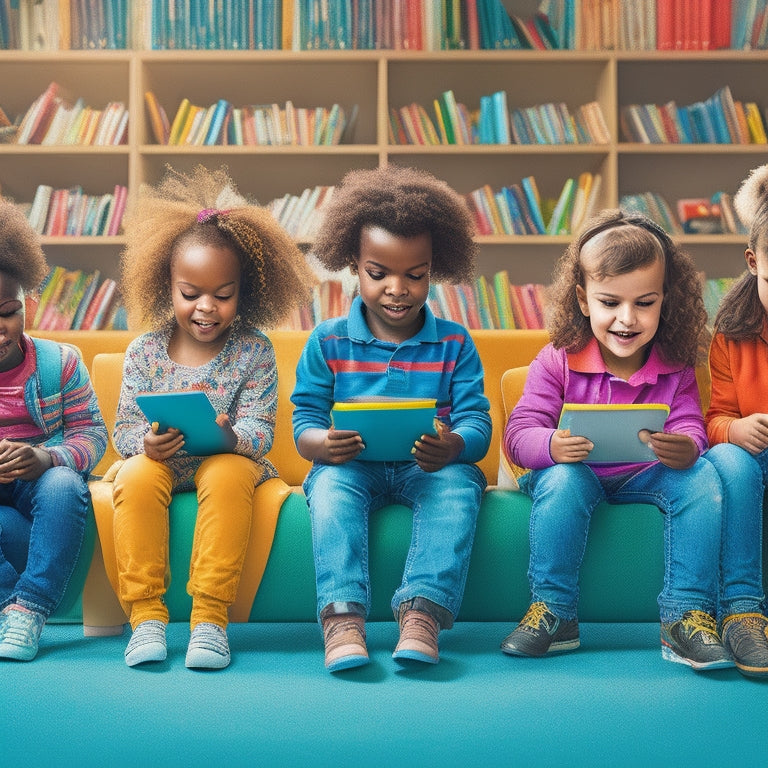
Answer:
(158, 118)
(533, 199)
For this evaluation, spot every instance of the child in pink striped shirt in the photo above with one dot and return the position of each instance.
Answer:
(51, 436)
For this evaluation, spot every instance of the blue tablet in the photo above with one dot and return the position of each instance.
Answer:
(614, 429)
(191, 413)
(389, 427)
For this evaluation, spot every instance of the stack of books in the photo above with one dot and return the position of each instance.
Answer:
(71, 212)
(485, 304)
(430, 25)
(51, 119)
(493, 123)
(703, 215)
(494, 304)
(50, 25)
(73, 299)
(330, 298)
(222, 123)
(719, 119)
(300, 215)
(520, 209)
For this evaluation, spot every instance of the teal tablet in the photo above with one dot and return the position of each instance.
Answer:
(191, 413)
(614, 429)
(389, 427)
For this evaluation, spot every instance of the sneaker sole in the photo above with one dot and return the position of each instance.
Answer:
(562, 646)
(748, 671)
(700, 666)
(406, 656)
(17, 653)
(347, 662)
(147, 653)
(202, 659)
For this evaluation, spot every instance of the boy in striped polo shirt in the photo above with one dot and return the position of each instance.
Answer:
(397, 229)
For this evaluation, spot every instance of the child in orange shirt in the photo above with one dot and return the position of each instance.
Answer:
(737, 428)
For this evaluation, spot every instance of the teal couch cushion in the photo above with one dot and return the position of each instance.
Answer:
(621, 576)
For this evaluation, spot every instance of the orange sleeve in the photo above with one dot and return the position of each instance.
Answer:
(723, 406)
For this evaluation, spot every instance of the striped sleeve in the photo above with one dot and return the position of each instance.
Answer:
(77, 436)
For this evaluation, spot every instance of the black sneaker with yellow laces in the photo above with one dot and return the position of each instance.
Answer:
(540, 632)
(693, 640)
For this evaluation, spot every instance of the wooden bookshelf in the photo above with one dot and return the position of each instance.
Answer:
(376, 81)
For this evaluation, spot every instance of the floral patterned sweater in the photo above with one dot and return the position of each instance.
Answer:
(240, 381)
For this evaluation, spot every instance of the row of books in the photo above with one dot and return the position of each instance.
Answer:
(72, 212)
(487, 303)
(74, 299)
(52, 119)
(719, 119)
(712, 215)
(300, 215)
(262, 124)
(50, 25)
(328, 25)
(709, 24)
(520, 209)
(663, 25)
(494, 303)
(494, 123)
(382, 24)
(516, 209)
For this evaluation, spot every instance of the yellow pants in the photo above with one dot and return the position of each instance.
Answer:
(142, 493)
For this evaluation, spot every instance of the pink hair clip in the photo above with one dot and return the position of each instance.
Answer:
(209, 213)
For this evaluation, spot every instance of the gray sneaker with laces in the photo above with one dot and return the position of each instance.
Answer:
(745, 636)
(147, 643)
(20, 633)
(208, 647)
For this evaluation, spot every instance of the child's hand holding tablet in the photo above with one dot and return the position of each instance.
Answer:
(192, 414)
(619, 432)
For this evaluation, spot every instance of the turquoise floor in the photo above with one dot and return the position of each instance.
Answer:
(612, 703)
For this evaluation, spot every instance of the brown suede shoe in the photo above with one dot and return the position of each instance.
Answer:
(418, 637)
(344, 635)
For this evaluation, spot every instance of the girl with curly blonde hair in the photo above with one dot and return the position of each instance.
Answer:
(737, 427)
(205, 271)
(627, 319)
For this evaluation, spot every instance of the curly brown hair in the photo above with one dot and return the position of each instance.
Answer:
(406, 202)
(21, 255)
(741, 314)
(635, 242)
(204, 208)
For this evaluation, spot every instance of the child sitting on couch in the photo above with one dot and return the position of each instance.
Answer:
(398, 229)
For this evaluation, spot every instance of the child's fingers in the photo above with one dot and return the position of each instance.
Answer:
(440, 428)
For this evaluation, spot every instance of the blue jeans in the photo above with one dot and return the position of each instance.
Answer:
(564, 497)
(445, 505)
(741, 556)
(42, 523)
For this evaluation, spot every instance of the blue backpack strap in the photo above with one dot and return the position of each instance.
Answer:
(49, 365)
